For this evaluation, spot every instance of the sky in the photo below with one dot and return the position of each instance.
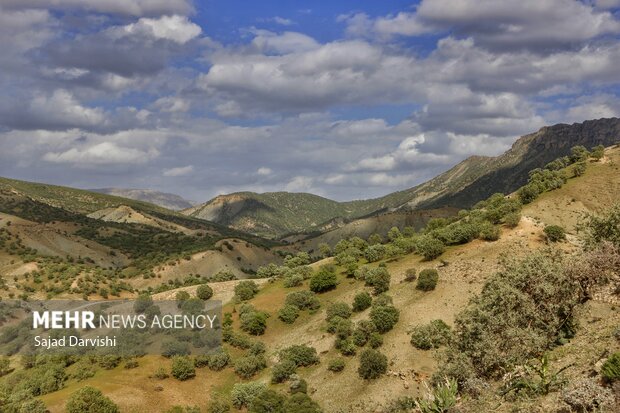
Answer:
(345, 99)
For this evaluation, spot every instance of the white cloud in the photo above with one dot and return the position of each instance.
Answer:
(287, 42)
(62, 110)
(179, 171)
(127, 7)
(175, 28)
(104, 153)
(264, 171)
(171, 104)
(282, 21)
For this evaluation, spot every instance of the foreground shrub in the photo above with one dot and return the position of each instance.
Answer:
(373, 364)
(611, 368)
(283, 370)
(522, 311)
(431, 335)
(183, 368)
(489, 232)
(512, 219)
(427, 281)
(90, 400)
(340, 309)
(604, 227)
(554, 233)
(586, 395)
(440, 399)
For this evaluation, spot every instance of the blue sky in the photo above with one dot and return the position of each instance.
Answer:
(345, 99)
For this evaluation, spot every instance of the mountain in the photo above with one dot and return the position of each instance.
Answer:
(163, 199)
(278, 214)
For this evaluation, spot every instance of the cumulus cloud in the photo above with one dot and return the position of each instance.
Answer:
(264, 171)
(287, 42)
(175, 28)
(104, 153)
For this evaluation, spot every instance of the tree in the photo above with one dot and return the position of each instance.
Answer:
(325, 250)
(427, 281)
(246, 367)
(372, 364)
(432, 335)
(324, 280)
(204, 292)
(254, 322)
(394, 233)
(90, 400)
(243, 394)
(183, 368)
(362, 301)
(579, 169)
(605, 227)
(288, 313)
(528, 193)
(246, 290)
(304, 300)
(181, 297)
(301, 403)
(339, 309)
(300, 354)
(579, 154)
(378, 278)
(268, 401)
(375, 239)
(283, 370)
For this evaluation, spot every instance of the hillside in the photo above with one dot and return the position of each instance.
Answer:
(463, 271)
(277, 214)
(162, 199)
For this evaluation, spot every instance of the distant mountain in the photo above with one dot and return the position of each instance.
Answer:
(163, 199)
(277, 214)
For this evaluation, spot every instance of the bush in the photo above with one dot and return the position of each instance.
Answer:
(579, 169)
(283, 370)
(181, 297)
(429, 247)
(586, 395)
(293, 280)
(254, 322)
(304, 300)
(375, 340)
(375, 253)
(362, 301)
(218, 361)
(242, 394)
(246, 290)
(204, 292)
(301, 355)
(441, 399)
(336, 365)
(427, 281)
(246, 367)
(528, 193)
(522, 311)
(410, 275)
(301, 403)
(512, 219)
(372, 364)
(554, 233)
(288, 313)
(268, 401)
(384, 317)
(363, 331)
(218, 404)
(338, 310)
(183, 368)
(432, 335)
(90, 400)
(598, 152)
(297, 384)
(605, 227)
(489, 232)
(324, 280)
(346, 346)
(378, 278)
(161, 373)
(611, 368)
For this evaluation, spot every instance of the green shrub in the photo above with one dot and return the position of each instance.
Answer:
(218, 404)
(375, 253)
(288, 313)
(384, 317)
(268, 401)
(90, 400)
(361, 301)
(429, 247)
(246, 290)
(579, 153)
(242, 394)
(183, 368)
(293, 280)
(301, 403)
(181, 297)
(248, 366)
(611, 368)
(338, 310)
(204, 292)
(336, 365)
(283, 370)
(554, 233)
(489, 232)
(346, 346)
(161, 373)
(363, 331)
(375, 340)
(378, 278)
(304, 300)
(441, 399)
(598, 152)
(410, 275)
(218, 361)
(254, 322)
(432, 335)
(373, 364)
(301, 355)
(579, 169)
(324, 280)
(427, 281)
(512, 219)
(605, 227)
(528, 193)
